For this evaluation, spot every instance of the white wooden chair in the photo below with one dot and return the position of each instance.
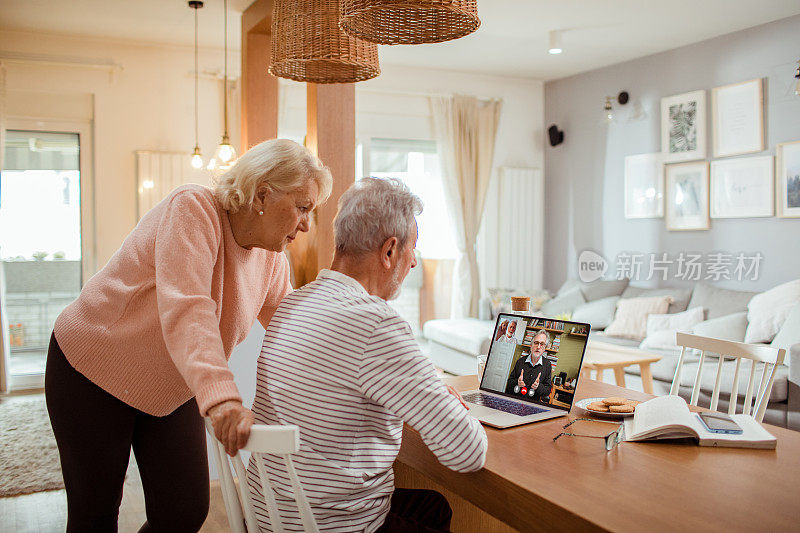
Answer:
(279, 440)
(769, 356)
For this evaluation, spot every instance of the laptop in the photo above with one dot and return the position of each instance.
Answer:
(531, 372)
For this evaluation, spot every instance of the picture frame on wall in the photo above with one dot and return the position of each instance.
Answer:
(737, 116)
(683, 127)
(787, 180)
(686, 196)
(644, 186)
(742, 188)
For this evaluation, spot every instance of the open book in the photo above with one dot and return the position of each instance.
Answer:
(668, 417)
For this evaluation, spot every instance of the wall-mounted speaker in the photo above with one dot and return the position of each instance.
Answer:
(556, 136)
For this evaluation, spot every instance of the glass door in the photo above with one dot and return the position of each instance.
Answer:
(40, 243)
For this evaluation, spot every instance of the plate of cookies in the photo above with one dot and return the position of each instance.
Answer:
(613, 406)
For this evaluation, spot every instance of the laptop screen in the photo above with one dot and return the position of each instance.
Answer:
(535, 359)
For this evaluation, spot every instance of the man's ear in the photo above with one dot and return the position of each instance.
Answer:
(389, 252)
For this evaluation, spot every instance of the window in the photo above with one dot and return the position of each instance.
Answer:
(416, 163)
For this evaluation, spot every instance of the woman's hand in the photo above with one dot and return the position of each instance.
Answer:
(231, 421)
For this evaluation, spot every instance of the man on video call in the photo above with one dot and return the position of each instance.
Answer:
(532, 374)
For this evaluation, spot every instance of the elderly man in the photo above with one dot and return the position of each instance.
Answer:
(531, 374)
(341, 364)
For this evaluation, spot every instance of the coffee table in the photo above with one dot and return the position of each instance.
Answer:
(602, 355)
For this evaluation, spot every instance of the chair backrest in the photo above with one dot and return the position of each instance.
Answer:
(769, 356)
(278, 440)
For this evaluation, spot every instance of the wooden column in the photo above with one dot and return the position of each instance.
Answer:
(331, 134)
(259, 87)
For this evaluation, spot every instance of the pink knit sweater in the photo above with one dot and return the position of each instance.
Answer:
(157, 325)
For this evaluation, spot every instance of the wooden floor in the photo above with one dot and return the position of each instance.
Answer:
(46, 512)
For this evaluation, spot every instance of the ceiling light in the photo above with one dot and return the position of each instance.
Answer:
(408, 21)
(197, 159)
(225, 156)
(554, 40)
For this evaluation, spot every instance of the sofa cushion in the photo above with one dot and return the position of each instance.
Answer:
(709, 377)
(596, 290)
(563, 303)
(729, 327)
(630, 321)
(599, 313)
(766, 312)
(719, 302)
(468, 335)
(789, 333)
(680, 297)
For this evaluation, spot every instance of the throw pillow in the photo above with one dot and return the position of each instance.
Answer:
(719, 302)
(630, 321)
(789, 333)
(563, 303)
(599, 313)
(767, 311)
(729, 327)
(595, 290)
(661, 329)
(680, 297)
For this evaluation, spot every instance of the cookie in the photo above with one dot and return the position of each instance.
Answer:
(633, 402)
(625, 408)
(615, 400)
(598, 406)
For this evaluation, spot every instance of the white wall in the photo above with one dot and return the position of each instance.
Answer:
(396, 105)
(148, 105)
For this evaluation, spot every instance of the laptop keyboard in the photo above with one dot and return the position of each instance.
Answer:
(501, 404)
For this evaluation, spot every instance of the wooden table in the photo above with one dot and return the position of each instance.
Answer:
(530, 483)
(602, 355)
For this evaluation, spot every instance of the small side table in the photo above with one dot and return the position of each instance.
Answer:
(602, 355)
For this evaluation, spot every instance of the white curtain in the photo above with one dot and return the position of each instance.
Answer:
(465, 130)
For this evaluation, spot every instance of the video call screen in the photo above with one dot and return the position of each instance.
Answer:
(535, 359)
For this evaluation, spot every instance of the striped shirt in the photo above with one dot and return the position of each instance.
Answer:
(344, 367)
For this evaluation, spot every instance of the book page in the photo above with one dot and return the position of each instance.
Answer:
(665, 413)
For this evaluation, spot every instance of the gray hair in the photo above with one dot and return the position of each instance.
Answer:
(541, 332)
(281, 164)
(371, 211)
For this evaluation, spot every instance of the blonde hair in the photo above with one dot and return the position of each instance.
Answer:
(281, 164)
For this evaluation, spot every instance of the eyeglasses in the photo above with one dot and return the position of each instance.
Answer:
(537, 343)
(611, 440)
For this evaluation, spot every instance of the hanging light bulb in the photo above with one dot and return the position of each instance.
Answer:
(554, 42)
(197, 159)
(225, 155)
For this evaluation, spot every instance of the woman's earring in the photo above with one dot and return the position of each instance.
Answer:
(261, 212)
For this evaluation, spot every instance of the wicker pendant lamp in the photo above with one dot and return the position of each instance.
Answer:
(409, 21)
(309, 46)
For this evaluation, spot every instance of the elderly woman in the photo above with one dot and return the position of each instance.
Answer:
(141, 356)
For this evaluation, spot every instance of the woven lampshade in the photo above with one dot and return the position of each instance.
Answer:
(409, 21)
(309, 46)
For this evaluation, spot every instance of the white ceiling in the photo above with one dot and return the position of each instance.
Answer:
(511, 41)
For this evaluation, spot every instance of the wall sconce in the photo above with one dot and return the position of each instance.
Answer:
(554, 42)
(608, 110)
(797, 85)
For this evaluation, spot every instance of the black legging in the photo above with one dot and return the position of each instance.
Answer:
(95, 432)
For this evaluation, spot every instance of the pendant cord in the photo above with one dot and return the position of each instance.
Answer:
(196, 75)
(225, 81)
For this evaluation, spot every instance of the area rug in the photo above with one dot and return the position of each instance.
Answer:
(28, 454)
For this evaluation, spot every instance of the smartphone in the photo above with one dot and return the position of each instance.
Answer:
(720, 423)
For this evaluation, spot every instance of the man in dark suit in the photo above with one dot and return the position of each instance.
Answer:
(532, 374)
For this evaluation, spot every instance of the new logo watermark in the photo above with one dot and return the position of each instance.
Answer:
(686, 266)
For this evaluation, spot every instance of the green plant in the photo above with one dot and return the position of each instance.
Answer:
(563, 316)
(59, 255)
(39, 256)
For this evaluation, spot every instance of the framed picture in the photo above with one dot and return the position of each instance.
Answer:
(787, 180)
(737, 113)
(683, 127)
(742, 188)
(644, 186)
(687, 196)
